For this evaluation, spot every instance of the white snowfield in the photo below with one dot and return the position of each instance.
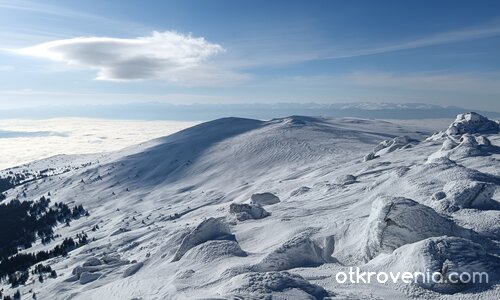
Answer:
(320, 195)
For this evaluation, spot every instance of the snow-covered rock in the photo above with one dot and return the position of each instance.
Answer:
(214, 250)
(472, 123)
(301, 190)
(274, 285)
(299, 251)
(461, 139)
(79, 270)
(264, 199)
(466, 146)
(467, 194)
(389, 146)
(87, 277)
(483, 141)
(210, 229)
(445, 255)
(93, 261)
(134, 268)
(394, 222)
(346, 179)
(439, 195)
(111, 258)
(244, 212)
(369, 156)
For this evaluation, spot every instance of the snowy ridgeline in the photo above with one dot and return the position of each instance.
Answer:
(239, 208)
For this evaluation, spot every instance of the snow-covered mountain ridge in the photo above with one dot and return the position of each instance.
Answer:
(240, 208)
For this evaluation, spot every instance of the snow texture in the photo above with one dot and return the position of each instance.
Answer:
(175, 221)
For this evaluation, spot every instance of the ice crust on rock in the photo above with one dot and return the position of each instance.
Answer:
(79, 270)
(209, 229)
(346, 179)
(468, 194)
(389, 146)
(472, 123)
(396, 221)
(439, 195)
(369, 156)
(133, 269)
(264, 199)
(462, 139)
(300, 191)
(444, 255)
(214, 250)
(87, 277)
(281, 285)
(465, 146)
(245, 211)
(93, 261)
(299, 251)
(483, 141)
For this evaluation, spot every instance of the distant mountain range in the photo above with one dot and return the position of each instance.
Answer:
(202, 112)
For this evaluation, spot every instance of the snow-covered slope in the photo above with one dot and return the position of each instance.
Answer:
(333, 193)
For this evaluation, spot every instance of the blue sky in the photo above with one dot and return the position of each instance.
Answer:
(104, 52)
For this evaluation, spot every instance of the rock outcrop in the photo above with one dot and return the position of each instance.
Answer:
(244, 212)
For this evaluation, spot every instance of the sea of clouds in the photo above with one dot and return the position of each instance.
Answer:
(22, 141)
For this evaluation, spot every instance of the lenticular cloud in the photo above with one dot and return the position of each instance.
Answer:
(162, 55)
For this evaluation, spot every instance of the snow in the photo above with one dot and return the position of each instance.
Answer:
(178, 216)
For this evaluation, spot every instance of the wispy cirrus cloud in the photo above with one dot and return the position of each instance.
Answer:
(476, 83)
(441, 38)
(169, 55)
(300, 47)
(36, 7)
